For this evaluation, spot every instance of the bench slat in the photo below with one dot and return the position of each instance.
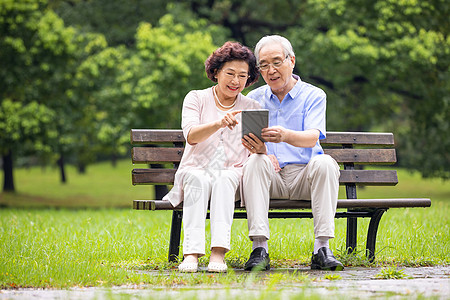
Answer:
(369, 177)
(155, 136)
(360, 156)
(355, 203)
(153, 176)
(362, 177)
(303, 204)
(359, 138)
(148, 155)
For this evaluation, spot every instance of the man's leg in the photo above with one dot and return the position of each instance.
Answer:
(323, 175)
(258, 183)
(256, 180)
(320, 179)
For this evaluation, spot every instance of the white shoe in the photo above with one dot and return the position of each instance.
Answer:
(186, 267)
(217, 267)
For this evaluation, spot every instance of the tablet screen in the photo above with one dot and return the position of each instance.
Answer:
(254, 121)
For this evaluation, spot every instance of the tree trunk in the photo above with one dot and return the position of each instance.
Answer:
(8, 182)
(114, 160)
(62, 169)
(81, 168)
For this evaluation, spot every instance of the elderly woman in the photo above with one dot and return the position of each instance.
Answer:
(211, 167)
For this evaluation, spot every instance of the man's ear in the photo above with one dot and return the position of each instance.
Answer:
(292, 58)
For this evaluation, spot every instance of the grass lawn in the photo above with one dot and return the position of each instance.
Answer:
(103, 186)
(84, 233)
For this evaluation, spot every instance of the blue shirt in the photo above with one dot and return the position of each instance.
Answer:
(302, 108)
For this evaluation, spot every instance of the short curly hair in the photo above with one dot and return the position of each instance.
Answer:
(231, 51)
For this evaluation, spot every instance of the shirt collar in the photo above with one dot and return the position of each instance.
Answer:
(297, 87)
(292, 93)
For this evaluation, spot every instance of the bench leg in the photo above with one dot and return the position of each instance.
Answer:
(372, 234)
(352, 230)
(175, 234)
(352, 223)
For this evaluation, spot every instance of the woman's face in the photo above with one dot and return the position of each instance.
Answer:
(231, 78)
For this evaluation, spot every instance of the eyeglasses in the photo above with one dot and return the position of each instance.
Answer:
(230, 75)
(276, 64)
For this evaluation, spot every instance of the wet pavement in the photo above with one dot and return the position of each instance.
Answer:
(352, 283)
(361, 282)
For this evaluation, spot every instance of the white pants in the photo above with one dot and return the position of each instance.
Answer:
(317, 181)
(199, 186)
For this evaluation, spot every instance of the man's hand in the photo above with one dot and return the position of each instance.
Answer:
(275, 134)
(253, 144)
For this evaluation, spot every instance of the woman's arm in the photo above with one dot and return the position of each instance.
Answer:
(200, 133)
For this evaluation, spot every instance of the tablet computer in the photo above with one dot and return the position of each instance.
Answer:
(254, 120)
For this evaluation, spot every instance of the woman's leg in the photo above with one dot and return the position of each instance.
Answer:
(223, 196)
(197, 191)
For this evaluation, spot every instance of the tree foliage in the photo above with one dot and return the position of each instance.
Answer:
(76, 75)
(385, 65)
(36, 49)
(115, 19)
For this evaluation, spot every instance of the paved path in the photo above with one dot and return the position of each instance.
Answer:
(362, 282)
(354, 283)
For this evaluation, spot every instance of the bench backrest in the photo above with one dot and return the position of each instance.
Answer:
(160, 146)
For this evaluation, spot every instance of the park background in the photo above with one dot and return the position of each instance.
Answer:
(76, 76)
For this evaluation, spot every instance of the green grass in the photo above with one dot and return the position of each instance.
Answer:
(52, 244)
(391, 273)
(102, 186)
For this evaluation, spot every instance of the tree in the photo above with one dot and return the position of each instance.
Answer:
(24, 127)
(35, 46)
(249, 20)
(115, 19)
(385, 66)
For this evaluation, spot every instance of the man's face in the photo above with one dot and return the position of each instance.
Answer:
(278, 78)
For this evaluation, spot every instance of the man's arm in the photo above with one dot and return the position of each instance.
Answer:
(304, 139)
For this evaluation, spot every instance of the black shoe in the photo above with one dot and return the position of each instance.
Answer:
(325, 260)
(259, 260)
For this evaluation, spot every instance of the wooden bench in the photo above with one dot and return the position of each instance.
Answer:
(347, 148)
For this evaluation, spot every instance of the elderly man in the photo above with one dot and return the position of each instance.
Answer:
(292, 164)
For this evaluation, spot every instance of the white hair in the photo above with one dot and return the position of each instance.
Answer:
(274, 39)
